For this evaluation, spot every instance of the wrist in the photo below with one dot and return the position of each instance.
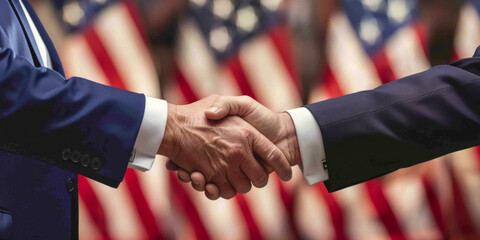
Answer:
(169, 146)
(291, 138)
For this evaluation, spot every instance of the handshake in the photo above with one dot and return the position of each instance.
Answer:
(226, 144)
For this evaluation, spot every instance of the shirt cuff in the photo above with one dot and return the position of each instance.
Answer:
(150, 134)
(310, 142)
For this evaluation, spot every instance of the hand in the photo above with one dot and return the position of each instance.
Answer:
(223, 151)
(278, 127)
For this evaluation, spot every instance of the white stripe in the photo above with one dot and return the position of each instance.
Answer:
(407, 198)
(195, 61)
(361, 219)
(268, 210)
(121, 217)
(227, 84)
(405, 53)
(128, 52)
(219, 215)
(268, 76)
(467, 37)
(313, 216)
(155, 186)
(466, 169)
(85, 223)
(350, 65)
(79, 61)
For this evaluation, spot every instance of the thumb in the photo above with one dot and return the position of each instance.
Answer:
(218, 110)
(229, 105)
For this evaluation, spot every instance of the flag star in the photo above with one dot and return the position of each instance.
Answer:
(220, 38)
(247, 19)
(222, 8)
(272, 5)
(398, 10)
(372, 5)
(73, 13)
(369, 30)
(199, 3)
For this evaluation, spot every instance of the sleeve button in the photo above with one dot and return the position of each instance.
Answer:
(96, 163)
(66, 154)
(76, 155)
(85, 161)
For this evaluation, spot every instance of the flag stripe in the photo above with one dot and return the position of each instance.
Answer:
(185, 204)
(434, 205)
(93, 206)
(384, 211)
(281, 40)
(103, 58)
(252, 226)
(235, 66)
(461, 214)
(288, 200)
(184, 86)
(336, 212)
(152, 227)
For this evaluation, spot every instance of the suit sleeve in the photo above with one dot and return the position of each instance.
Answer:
(74, 124)
(411, 120)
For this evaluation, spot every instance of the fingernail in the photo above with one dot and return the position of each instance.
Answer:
(214, 109)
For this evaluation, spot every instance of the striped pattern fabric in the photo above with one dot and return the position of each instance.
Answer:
(251, 54)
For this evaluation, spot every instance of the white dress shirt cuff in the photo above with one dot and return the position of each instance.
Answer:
(310, 142)
(150, 134)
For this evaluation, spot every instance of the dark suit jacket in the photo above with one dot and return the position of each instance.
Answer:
(51, 129)
(402, 123)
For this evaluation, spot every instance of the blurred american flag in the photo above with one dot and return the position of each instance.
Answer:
(243, 47)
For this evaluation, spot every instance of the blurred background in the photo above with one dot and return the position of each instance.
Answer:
(284, 54)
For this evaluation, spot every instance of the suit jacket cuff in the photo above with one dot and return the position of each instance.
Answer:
(310, 142)
(150, 134)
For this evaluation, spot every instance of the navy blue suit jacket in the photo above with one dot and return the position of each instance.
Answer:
(402, 123)
(51, 129)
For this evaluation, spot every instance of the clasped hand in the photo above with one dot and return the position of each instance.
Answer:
(226, 144)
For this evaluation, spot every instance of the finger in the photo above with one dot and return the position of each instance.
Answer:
(226, 189)
(183, 175)
(171, 166)
(224, 106)
(212, 192)
(265, 166)
(255, 172)
(198, 181)
(239, 181)
(272, 156)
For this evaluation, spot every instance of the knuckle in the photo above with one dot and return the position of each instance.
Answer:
(260, 180)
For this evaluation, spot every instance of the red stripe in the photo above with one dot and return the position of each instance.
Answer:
(135, 17)
(434, 205)
(184, 86)
(253, 231)
(421, 33)
(103, 58)
(236, 68)
(281, 40)
(288, 200)
(384, 211)
(478, 157)
(330, 83)
(382, 65)
(183, 201)
(455, 56)
(463, 221)
(336, 212)
(152, 227)
(93, 206)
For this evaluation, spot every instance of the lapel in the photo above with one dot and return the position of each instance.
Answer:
(26, 29)
(56, 63)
